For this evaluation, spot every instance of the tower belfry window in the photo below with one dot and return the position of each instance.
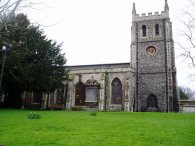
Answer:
(143, 30)
(156, 29)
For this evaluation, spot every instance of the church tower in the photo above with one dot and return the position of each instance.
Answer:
(152, 54)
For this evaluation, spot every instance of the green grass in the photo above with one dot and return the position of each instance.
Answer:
(61, 128)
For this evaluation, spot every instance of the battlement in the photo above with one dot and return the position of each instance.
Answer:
(150, 16)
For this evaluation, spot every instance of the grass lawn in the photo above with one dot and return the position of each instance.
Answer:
(61, 128)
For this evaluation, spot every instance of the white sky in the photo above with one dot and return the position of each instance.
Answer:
(99, 31)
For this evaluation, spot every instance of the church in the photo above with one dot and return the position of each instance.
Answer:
(146, 84)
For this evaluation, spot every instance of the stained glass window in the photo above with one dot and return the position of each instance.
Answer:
(116, 91)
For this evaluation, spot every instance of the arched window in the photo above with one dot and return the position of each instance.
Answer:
(116, 91)
(80, 94)
(143, 30)
(59, 98)
(156, 29)
(152, 101)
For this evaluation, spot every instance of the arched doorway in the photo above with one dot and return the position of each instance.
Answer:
(152, 103)
(80, 94)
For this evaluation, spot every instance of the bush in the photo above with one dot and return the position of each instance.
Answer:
(33, 115)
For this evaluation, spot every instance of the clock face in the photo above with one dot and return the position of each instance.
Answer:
(151, 50)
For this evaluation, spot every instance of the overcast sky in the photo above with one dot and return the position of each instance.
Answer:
(99, 31)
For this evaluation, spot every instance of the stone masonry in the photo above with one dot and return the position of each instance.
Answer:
(146, 84)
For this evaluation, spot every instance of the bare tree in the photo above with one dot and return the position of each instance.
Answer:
(9, 7)
(188, 44)
(7, 10)
(186, 93)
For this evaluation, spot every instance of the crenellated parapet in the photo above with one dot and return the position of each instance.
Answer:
(150, 16)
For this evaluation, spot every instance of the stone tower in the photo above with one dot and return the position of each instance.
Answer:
(152, 54)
